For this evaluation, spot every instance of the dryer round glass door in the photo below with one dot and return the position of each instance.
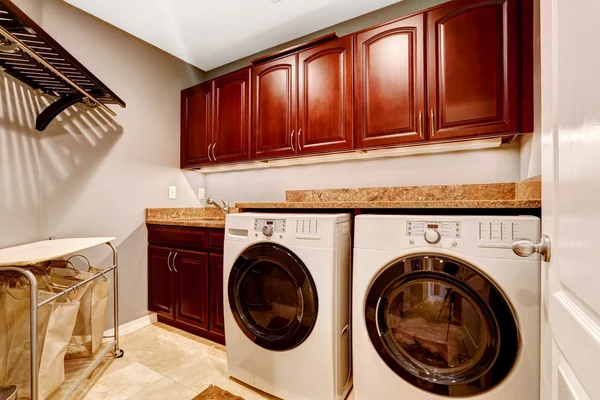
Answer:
(272, 297)
(442, 325)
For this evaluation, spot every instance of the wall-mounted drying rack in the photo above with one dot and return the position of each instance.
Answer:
(32, 56)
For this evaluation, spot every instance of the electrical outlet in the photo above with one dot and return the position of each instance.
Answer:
(200, 193)
(172, 192)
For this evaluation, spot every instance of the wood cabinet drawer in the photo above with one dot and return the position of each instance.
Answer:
(178, 236)
(216, 240)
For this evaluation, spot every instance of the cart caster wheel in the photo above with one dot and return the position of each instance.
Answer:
(119, 353)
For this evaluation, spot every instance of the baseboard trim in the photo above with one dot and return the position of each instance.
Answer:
(131, 326)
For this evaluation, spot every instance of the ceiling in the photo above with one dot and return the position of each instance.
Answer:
(211, 33)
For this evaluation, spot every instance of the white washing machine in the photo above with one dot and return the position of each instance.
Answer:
(286, 288)
(442, 307)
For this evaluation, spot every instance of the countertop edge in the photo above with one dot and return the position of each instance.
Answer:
(454, 204)
(190, 223)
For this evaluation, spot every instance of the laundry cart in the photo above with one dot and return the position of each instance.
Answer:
(22, 261)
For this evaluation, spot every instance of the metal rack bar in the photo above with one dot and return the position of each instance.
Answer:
(33, 331)
(76, 286)
(118, 351)
(99, 358)
(33, 320)
(23, 47)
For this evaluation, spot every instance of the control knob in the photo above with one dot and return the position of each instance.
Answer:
(267, 230)
(432, 236)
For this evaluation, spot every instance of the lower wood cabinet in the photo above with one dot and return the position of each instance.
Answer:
(161, 289)
(185, 279)
(191, 287)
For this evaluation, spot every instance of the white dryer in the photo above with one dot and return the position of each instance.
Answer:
(442, 307)
(286, 288)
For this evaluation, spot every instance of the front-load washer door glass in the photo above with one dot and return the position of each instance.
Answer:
(442, 325)
(273, 297)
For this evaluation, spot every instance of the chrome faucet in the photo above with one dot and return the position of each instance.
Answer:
(219, 203)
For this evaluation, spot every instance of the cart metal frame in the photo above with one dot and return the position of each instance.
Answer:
(33, 320)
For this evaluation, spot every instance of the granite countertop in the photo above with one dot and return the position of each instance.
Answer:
(209, 217)
(524, 195)
(514, 195)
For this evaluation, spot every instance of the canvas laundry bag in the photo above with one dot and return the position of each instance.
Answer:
(56, 322)
(91, 318)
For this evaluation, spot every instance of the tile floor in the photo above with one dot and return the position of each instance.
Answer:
(160, 362)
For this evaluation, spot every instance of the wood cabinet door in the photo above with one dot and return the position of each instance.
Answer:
(231, 116)
(390, 84)
(191, 291)
(161, 297)
(473, 71)
(274, 108)
(196, 131)
(325, 108)
(217, 313)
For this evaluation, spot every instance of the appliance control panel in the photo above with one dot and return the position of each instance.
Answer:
(274, 225)
(446, 229)
(488, 233)
(499, 234)
(307, 226)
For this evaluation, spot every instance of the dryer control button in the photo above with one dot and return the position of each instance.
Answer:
(267, 230)
(432, 236)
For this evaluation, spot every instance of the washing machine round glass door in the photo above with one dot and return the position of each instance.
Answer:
(273, 297)
(442, 325)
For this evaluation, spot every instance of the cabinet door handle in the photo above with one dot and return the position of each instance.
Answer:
(174, 257)
(432, 123)
(213, 152)
(299, 142)
(168, 262)
(292, 141)
(209, 159)
(420, 123)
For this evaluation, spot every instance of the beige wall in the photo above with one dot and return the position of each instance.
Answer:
(97, 174)
(20, 208)
(482, 166)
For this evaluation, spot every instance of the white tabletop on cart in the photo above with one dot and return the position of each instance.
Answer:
(32, 253)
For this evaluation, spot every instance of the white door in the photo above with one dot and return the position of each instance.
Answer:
(570, 42)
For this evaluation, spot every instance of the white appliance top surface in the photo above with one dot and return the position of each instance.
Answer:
(480, 236)
(301, 230)
(295, 215)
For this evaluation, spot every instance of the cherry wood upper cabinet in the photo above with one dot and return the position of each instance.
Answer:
(390, 84)
(473, 71)
(231, 115)
(325, 97)
(191, 270)
(274, 108)
(196, 132)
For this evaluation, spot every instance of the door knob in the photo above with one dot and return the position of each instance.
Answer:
(525, 247)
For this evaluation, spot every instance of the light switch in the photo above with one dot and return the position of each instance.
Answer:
(172, 192)
(200, 193)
